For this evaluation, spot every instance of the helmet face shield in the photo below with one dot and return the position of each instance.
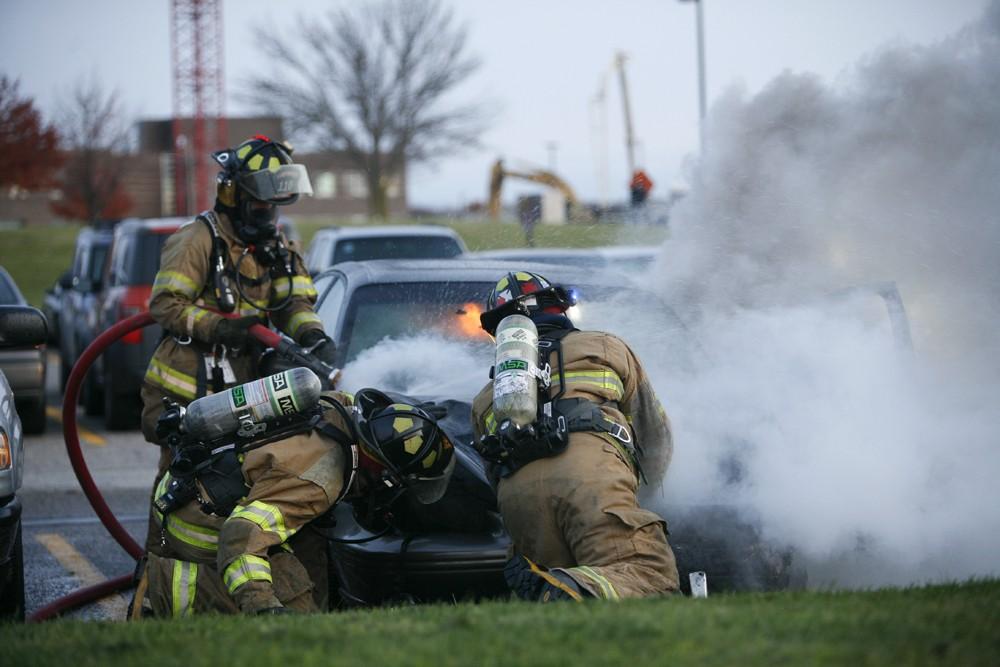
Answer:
(429, 490)
(280, 186)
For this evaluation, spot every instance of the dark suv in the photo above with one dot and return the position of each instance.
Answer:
(116, 378)
(77, 317)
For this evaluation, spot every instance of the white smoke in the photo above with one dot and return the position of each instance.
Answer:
(421, 366)
(879, 466)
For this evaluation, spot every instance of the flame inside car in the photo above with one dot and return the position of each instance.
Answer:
(466, 322)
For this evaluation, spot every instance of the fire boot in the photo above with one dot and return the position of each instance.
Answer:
(535, 583)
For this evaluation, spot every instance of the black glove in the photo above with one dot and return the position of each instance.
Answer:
(320, 346)
(234, 332)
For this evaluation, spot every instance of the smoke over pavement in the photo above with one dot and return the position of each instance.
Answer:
(877, 465)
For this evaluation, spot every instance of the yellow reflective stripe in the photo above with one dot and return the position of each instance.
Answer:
(193, 315)
(184, 587)
(298, 319)
(491, 422)
(174, 281)
(267, 517)
(170, 379)
(201, 537)
(606, 380)
(247, 309)
(301, 286)
(246, 568)
(161, 488)
(608, 591)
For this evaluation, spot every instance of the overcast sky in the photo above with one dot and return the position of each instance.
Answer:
(542, 64)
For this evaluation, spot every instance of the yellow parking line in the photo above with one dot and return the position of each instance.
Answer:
(86, 435)
(114, 606)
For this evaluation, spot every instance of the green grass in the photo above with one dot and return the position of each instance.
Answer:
(954, 624)
(36, 255)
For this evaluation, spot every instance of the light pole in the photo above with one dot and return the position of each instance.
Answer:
(701, 70)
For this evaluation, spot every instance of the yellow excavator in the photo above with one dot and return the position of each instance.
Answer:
(541, 176)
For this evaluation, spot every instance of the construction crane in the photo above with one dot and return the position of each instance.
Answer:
(638, 177)
(499, 173)
(198, 99)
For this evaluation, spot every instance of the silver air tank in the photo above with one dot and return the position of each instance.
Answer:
(247, 408)
(515, 390)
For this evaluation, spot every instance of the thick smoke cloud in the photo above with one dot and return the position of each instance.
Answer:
(877, 464)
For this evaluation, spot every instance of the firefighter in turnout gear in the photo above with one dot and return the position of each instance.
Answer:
(568, 481)
(362, 449)
(232, 261)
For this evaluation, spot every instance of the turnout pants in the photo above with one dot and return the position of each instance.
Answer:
(577, 512)
(292, 482)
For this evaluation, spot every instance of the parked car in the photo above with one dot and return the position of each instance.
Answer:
(333, 245)
(20, 326)
(113, 383)
(456, 549)
(78, 313)
(24, 366)
(52, 303)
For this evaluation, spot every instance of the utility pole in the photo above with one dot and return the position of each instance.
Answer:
(700, 26)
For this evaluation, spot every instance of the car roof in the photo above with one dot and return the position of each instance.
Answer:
(517, 253)
(359, 231)
(154, 225)
(450, 270)
(628, 251)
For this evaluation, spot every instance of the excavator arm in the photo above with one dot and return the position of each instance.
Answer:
(540, 176)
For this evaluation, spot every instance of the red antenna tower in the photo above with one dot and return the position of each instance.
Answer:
(199, 124)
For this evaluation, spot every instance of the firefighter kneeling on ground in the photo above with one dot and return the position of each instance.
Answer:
(568, 480)
(228, 550)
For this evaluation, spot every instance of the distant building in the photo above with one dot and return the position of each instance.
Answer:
(340, 188)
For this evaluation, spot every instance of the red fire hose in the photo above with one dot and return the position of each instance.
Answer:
(104, 513)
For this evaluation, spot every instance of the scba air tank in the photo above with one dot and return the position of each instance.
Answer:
(254, 403)
(515, 389)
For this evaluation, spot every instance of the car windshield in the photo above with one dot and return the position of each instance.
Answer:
(424, 338)
(397, 310)
(98, 253)
(8, 293)
(145, 260)
(396, 247)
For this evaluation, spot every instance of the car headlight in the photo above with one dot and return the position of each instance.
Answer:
(6, 458)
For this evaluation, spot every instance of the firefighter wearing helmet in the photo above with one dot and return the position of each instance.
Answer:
(230, 261)
(219, 275)
(366, 449)
(569, 474)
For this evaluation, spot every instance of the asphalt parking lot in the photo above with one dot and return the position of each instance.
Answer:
(65, 545)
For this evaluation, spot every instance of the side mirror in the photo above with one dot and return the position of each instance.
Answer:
(66, 280)
(21, 326)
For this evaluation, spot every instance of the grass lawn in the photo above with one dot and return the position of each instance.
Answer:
(952, 624)
(36, 255)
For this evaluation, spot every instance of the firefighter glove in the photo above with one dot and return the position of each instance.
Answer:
(234, 332)
(320, 346)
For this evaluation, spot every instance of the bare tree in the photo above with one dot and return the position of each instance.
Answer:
(374, 81)
(95, 133)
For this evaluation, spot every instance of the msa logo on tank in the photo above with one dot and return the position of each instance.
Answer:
(239, 397)
(282, 392)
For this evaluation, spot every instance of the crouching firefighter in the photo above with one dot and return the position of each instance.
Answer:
(253, 466)
(570, 424)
